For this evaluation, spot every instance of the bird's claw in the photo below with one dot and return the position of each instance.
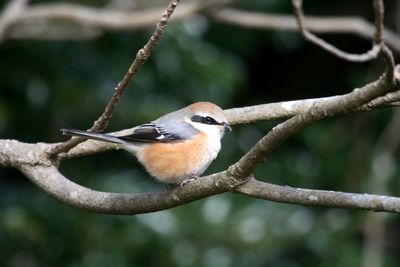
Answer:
(188, 180)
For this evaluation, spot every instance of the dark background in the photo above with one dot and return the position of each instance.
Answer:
(48, 85)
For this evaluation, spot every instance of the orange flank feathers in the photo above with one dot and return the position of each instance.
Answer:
(166, 163)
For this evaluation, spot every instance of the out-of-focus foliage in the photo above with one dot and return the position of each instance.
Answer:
(49, 85)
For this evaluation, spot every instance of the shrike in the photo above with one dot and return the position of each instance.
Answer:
(177, 147)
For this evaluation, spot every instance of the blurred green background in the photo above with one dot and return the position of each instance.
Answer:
(47, 85)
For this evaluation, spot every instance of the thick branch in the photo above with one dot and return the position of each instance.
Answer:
(49, 179)
(322, 198)
(35, 165)
(287, 109)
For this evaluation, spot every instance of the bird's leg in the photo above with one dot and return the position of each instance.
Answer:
(188, 180)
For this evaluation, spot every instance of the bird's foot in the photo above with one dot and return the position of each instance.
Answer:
(188, 180)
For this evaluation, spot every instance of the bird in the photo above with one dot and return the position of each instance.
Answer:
(177, 147)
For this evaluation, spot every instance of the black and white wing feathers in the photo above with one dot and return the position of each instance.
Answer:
(150, 133)
(162, 130)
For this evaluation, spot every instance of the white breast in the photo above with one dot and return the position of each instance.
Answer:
(206, 162)
(213, 145)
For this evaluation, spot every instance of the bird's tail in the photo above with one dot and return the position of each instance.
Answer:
(92, 135)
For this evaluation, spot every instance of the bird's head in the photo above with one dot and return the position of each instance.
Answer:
(208, 118)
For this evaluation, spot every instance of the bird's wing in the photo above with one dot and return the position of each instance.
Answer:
(151, 133)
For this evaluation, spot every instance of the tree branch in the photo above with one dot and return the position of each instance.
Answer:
(94, 20)
(349, 25)
(40, 170)
(12, 10)
(50, 180)
(287, 109)
(143, 54)
(91, 20)
(367, 56)
(321, 198)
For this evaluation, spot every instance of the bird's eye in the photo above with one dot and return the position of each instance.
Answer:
(209, 120)
(205, 120)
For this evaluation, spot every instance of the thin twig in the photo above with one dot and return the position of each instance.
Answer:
(342, 24)
(379, 13)
(143, 54)
(367, 56)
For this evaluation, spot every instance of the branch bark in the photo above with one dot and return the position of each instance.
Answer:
(321, 198)
(287, 109)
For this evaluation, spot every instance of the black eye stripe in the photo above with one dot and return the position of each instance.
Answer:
(197, 118)
(206, 120)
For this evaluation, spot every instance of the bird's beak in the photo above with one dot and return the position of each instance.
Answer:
(227, 128)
